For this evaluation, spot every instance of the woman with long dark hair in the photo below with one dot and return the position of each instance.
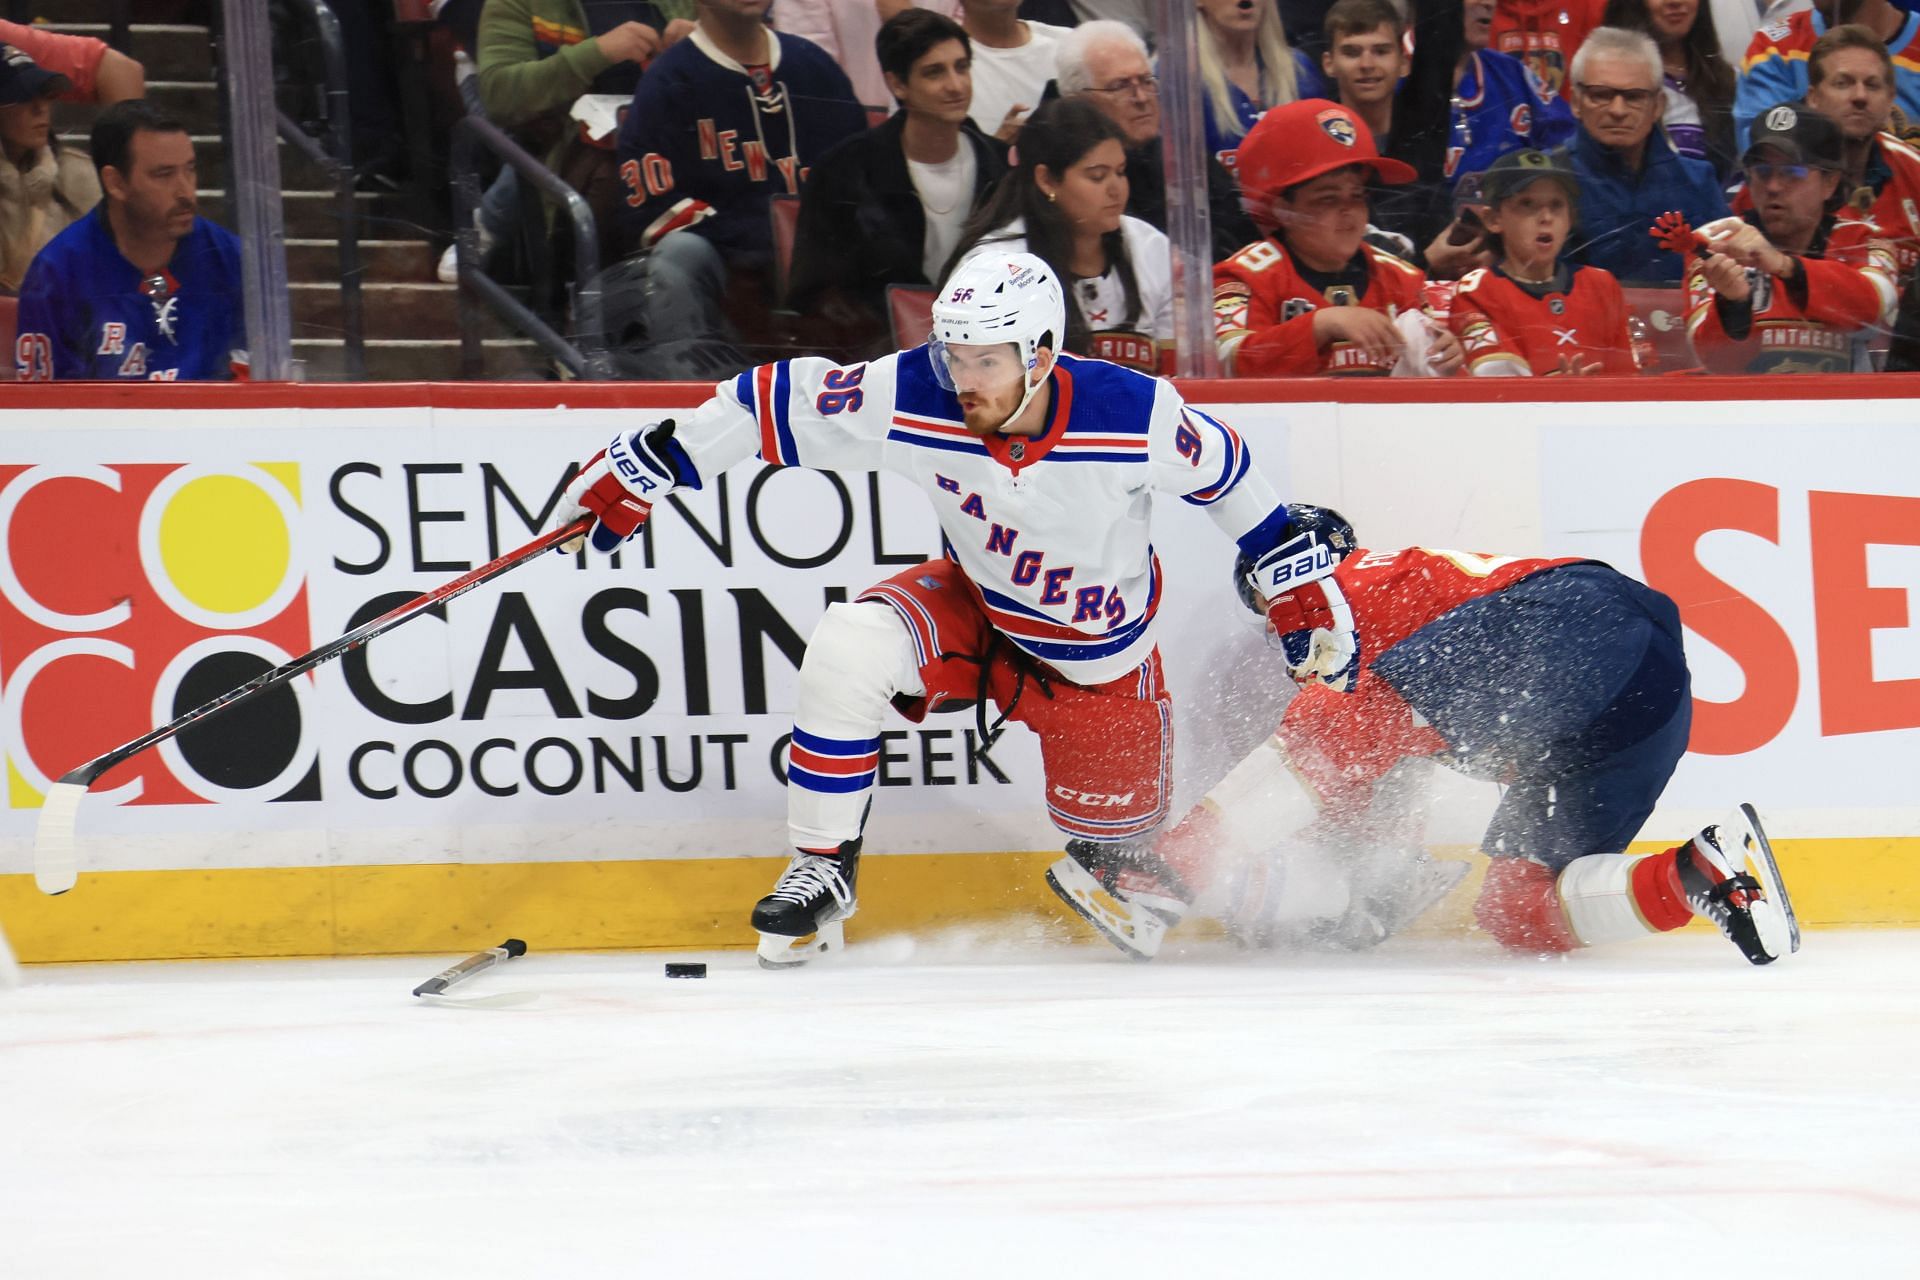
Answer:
(1699, 83)
(1064, 200)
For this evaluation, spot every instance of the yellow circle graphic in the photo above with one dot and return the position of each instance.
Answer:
(224, 544)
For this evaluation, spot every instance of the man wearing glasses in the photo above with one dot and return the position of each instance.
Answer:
(1629, 174)
(1799, 284)
(1106, 62)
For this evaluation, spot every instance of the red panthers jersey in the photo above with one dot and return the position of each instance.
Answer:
(1850, 290)
(1263, 312)
(1889, 199)
(1545, 34)
(1342, 743)
(1505, 329)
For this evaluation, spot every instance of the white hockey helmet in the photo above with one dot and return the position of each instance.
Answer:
(999, 297)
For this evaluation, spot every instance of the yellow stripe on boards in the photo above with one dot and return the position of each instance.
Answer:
(691, 904)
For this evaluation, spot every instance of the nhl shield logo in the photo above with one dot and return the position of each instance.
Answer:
(1338, 125)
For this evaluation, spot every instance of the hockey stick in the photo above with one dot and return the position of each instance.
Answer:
(434, 989)
(54, 867)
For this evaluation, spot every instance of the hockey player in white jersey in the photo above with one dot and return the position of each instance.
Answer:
(1041, 468)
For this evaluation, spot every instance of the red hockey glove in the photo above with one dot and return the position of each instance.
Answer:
(1315, 628)
(619, 485)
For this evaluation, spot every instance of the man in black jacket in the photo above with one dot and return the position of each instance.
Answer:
(1107, 62)
(886, 206)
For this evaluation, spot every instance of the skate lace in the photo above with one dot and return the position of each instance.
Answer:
(1722, 896)
(810, 875)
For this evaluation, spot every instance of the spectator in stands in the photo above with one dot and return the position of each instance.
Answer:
(1698, 82)
(555, 73)
(1311, 296)
(1012, 63)
(1454, 110)
(141, 288)
(1106, 63)
(1498, 104)
(43, 186)
(1531, 314)
(1791, 287)
(1545, 34)
(1064, 201)
(95, 72)
(846, 29)
(1246, 67)
(722, 121)
(1850, 81)
(1629, 174)
(887, 206)
(1776, 64)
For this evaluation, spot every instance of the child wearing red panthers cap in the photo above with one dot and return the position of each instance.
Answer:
(1310, 296)
(1531, 313)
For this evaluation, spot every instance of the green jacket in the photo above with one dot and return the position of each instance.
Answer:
(535, 57)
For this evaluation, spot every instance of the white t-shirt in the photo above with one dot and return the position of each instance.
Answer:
(946, 197)
(1103, 300)
(1004, 77)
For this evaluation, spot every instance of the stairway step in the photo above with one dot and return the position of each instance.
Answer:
(194, 103)
(388, 310)
(314, 215)
(166, 51)
(381, 261)
(415, 360)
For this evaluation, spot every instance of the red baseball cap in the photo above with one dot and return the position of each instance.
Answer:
(1298, 142)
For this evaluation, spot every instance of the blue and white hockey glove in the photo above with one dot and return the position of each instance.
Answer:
(619, 485)
(1307, 613)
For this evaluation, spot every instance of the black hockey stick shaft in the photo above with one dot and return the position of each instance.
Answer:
(473, 964)
(85, 775)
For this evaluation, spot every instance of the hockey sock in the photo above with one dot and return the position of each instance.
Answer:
(858, 658)
(1260, 802)
(1610, 897)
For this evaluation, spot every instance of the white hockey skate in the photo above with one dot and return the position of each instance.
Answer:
(803, 916)
(1731, 878)
(1123, 892)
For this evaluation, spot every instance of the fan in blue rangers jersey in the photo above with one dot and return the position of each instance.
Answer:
(1040, 469)
(142, 287)
(713, 131)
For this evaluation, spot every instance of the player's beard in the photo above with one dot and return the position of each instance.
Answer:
(983, 413)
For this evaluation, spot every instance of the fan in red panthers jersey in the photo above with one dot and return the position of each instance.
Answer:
(1790, 288)
(1531, 313)
(1563, 680)
(1850, 78)
(1311, 296)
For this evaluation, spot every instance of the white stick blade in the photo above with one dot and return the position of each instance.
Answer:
(54, 865)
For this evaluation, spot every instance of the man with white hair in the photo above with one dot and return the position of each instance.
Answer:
(1106, 63)
(1629, 173)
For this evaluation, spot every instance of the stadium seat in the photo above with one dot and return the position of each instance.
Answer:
(910, 312)
(785, 212)
(1664, 311)
(9, 321)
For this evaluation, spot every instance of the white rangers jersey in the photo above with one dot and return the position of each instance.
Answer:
(1052, 529)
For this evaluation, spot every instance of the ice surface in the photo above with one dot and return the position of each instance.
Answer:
(960, 1107)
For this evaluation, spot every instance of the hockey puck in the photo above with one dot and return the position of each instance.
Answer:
(694, 970)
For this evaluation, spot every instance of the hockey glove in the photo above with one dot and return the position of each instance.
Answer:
(619, 485)
(1307, 613)
(1314, 626)
(1317, 539)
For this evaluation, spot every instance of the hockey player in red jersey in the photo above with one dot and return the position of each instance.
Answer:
(1311, 296)
(1790, 287)
(1040, 467)
(1561, 679)
(1531, 313)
